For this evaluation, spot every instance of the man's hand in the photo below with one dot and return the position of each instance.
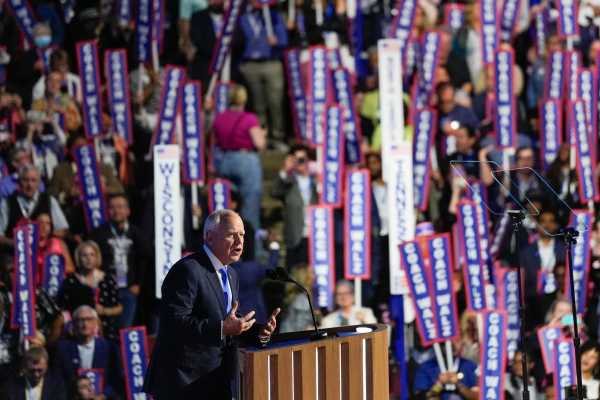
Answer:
(233, 326)
(268, 330)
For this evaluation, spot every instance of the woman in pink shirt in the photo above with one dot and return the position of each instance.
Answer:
(239, 137)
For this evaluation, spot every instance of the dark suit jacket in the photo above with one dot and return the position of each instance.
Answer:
(53, 388)
(105, 357)
(287, 190)
(531, 263)
(189, 344)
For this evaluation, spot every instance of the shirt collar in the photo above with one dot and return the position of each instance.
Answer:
(217, 264)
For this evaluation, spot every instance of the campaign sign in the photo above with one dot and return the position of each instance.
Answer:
(23, 314)
(357, 224)
(588, 92)
(547, 336)
(124, 12)
(479, 197)
(53, 273)
(509, 302)
(588, 185)
(582, 251)
(223, 44)
(472, 268)
(134, 356)
(332, 172)
(117, 82)
(421, 291)
(564, 367)
(158, 22)
(167, 211)
(291, 59)
(567, 18)
(488, 30)
(143, 30)
(493, 355)
(550, 130)
(352, 133)
(554, 81)
(96, 377)
(444, 297)
(402, 24)
(424, 121)
(318, 87)
(219, 195)
(221, 96)
(91, 188)
(546, 283)
(169, 104)
(506, 107)
(508, 18)
(541, 21)
(89, 72)
(193, 134)
(24, 16)
(572, 66)
(424, 87)
(321, 253)
(454, 15)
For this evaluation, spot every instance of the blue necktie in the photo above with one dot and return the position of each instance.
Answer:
(223, 273)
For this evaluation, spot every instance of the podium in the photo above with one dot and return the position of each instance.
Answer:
(350, 364)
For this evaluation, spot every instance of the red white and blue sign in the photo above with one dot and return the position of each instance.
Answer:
(550, 131)
(567, 18)
(507, 281)
(143, 30)
(506, 108)
(402, 24)
(581, 220)
(222, 90)
(554, 81)
(454, 15)
(318, 93)
(193, 134)
(169, 105)
(96, 377)
(90, 185)
(425, 85)
(588, 185)
(489, 30)
(547, 337)
(332, 175)
(296, 92)
(21, 10)
(223, 46)
(23, 314)
(421, 290)
(357, 225)
(424, 121)
(564, 367)
(219, 195)
(117, 79)
(572, 66)
(508, 18)
(89, 72)
(53, 273)
(493, 355)
(470, 243)
(352, 132)
(321, 253)
(134, 356)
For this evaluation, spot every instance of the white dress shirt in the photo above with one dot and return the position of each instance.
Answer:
(86, 354)
(34, 392)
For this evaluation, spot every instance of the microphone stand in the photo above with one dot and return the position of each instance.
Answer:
(318, 334)
(570, 238)
(516, 218)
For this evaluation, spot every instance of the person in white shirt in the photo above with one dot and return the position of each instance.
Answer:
(590, 371)
(347, 312)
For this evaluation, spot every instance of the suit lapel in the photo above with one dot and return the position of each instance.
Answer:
(213, 278)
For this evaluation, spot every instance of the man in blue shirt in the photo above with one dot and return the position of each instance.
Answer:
(433, 384)
(262, 68)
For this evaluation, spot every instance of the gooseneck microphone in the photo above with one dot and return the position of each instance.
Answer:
(280, 274)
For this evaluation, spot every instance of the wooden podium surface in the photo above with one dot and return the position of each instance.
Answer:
(346, 365)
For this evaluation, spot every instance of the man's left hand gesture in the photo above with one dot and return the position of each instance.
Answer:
(267, 331)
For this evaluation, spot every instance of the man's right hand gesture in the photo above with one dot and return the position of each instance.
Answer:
(233, 326)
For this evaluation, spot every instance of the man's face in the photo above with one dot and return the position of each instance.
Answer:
(55, 80)
(464, 143)
(85, 390)
(86, 324)
(301, 165)
(35, 370)
(226, 241)
(525, 159)
(118, 210)
(29, 183)
(344, 296)
(374, 166)
(446, 100)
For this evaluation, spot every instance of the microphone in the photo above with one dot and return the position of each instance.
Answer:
(281, 274)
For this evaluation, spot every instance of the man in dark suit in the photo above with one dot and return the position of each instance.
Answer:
(196, 348)
(87, 350)
(36, 381)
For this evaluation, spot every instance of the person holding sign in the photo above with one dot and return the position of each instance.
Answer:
(347, 313)
(196, 348)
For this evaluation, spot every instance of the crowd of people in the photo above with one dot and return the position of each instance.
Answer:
(109, 271)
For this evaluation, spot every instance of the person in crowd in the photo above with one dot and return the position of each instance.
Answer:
(92, 286)
(57, 104)
(262, 68)
(125, 252)
(431, 383)
(83, 389)
(59, 62)
(590, 368)
(448, 112)
(48, 245)
(296, 187)
(36, 381)
(28, 203)
(87, 349)
(19, 157)
(523, 179)
(469, 337)
(562, 178)
(513, 385)
(239, 138)
(347, 312)
(297, 315)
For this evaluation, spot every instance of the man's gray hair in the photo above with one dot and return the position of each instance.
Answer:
(214, 220)
(344, 283)
(25, 169)
(83, 308)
